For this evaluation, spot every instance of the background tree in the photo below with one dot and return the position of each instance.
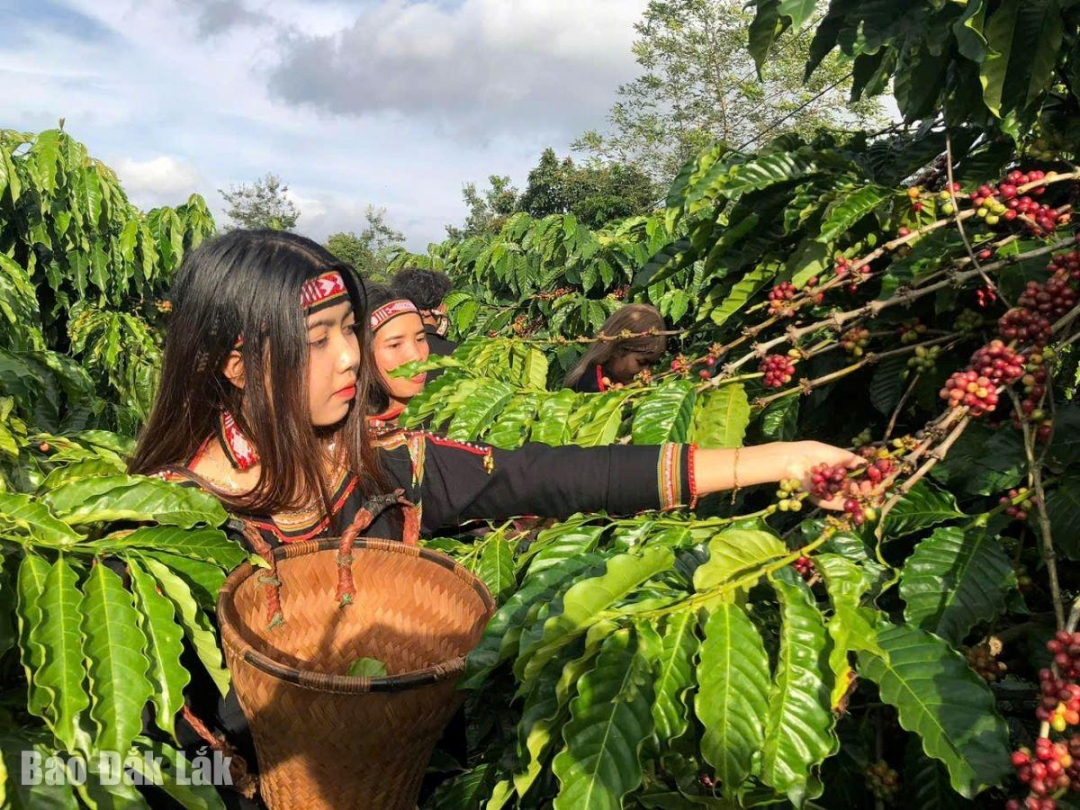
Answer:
(595, 194)
(263, 204)
(488, 210)
(369, 250)
(699, 85)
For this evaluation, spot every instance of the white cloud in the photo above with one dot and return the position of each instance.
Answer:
(161, 180)
(484, 65)
(154, 84)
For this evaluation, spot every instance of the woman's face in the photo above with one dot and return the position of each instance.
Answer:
(333, 363)
(399, 341)
(624, 368)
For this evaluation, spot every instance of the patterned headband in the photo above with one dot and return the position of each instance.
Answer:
(389, 311)
(318, 293)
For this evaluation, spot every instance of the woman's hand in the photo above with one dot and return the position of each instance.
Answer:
(804, 456)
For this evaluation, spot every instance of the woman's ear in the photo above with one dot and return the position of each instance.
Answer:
(234, 369)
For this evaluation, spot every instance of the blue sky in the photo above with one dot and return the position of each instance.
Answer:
(371, 102)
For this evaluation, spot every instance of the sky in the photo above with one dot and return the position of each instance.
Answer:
(391, 103)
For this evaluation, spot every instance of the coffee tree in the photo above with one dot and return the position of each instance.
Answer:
(103, 575)
(914, 293)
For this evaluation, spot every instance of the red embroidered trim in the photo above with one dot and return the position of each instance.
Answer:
(238, 449)
(322, 291)
(669, 476)
(468, 448)
(319, 527)
(692, 451)
(318, 293)
(389, 311)
(600, 378)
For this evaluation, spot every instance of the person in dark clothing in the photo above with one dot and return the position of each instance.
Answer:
(263, 398)
(427, 289)
(629, 343)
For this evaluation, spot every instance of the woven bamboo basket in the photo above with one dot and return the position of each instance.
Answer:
(325, 739)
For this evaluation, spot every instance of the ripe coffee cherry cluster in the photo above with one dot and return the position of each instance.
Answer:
(1060, 700)
(1019, 510)
(968, 388)
(778, 370)
(779, 298)
(999, 363)
(855, 341)
(1065, 647)
(911, 332)
(983, 661)
(680, 365)
(1025, 326)
(881, 466)
(789, 489)
(804, 566)
(1045, 772)
(1065, 265)
(925, 358)
(827, 481)
(845, 268)
(1051, 299)
(882, 780)
(985, 296)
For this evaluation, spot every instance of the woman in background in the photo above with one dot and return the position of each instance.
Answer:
(618, 362)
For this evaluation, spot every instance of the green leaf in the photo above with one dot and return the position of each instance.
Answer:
(780, 420)
(610, 721)
(764, 29)
(581, 605)
(496, 566)
(673, 669)
(983, 461)
(503, 630)
(887, 384)
(164, 646)
(113, 646)
(512, 426)
(42, 796)
(542, 715)
(799, 733)
(196, 626)
(851, 627)
(209, 545)
(24, 513)
(190, 795)
(939, 698)
(736, 553)
(846, 210)
(732, 698)
(128, 497)
(604, 420)
(767, 170)
(62, 672)
(926, 782)
(721, 416)
(999, 32)
(552, 426)
(466, 791)
(204, 579)
(366, 668)
(954, 580)
(33, 572)
(479, 411)
(920, 508)
(1063, 509)
(665, 415)
(747, 286)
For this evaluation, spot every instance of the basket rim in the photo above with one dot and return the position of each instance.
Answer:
(344, 684)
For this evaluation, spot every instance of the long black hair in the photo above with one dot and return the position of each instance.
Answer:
(248, 283)
(634, 319)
